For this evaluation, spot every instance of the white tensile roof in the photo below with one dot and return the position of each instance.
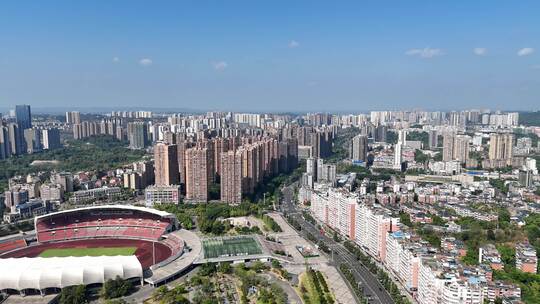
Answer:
(105, 207)
(59, 272)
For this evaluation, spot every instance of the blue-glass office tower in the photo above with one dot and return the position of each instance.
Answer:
(23, 116)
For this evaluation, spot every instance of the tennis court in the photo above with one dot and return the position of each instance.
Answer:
(230, 247)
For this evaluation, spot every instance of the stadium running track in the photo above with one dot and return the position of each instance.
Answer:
(143, 252)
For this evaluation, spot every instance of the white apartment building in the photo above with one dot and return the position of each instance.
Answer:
(439, 283)
(462, 292)
(394, 247)
(367, 226)
(409, 262)
(430, 282)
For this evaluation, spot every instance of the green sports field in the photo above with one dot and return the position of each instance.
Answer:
(79, 252)
(230, 246)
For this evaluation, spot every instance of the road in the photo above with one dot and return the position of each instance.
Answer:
(372, 287)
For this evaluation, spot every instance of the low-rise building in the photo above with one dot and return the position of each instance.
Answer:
(52, 193)
(162, 195)
(526, 259)
(94, 194)
(27, 210)
(488, 254)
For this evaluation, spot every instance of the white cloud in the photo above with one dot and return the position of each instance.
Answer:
(293, 44)
(115, 59)
(536, 67)
(145, 62)
(220, 65)
(425, 52)
(480, 51)
(525, 51)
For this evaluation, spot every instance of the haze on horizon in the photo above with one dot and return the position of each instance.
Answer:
(271, 56)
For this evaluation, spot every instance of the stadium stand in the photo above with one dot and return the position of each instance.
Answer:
(175, 243)
(102, 223)
(12, 245)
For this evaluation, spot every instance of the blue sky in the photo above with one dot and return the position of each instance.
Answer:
(271, 55)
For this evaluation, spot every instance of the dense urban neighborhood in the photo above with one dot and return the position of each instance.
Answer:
(220, 207)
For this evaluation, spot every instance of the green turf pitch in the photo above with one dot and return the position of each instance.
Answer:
(234, 246)
(79, 252)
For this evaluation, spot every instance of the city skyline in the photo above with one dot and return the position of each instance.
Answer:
(406, 196)
(280, 57)
(382, 152)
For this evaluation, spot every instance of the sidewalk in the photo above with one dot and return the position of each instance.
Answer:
(291, 239)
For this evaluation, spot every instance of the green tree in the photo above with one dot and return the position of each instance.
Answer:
(160, 293)
(504, 218)
(529, 118)
(419, 136)
(207, 269)
(508, 256)
(116, 288)
(73, 295)
(405, 219)
(420, 157)
(438, 221)
(258, 266)
(225, 267)
(499, 184)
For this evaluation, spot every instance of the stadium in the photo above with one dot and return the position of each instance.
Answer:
(93, 244)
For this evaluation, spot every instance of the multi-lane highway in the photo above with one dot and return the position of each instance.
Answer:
(372, 288)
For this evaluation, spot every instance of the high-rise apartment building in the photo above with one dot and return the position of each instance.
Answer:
(433, 139)
(380, 133)
(461, 147)
(138, 135)
(221, 145)
(73, 117)
(327, 173)
(105, 127)
(16, 139)
(51, 139)
(146, 170)
(5, 145)
(231, 177)
(456, 147)
(182, 145)
(321, 143)
(32, 140)
(398, 155)
(252, 167)
(500, 146)
(448, 147)
(249, 161)
(311, 166)
(166, 164)
(359, 148)
(402, 137)
(197, 174)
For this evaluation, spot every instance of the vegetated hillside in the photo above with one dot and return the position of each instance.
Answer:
(529, 118)
(95, 153)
